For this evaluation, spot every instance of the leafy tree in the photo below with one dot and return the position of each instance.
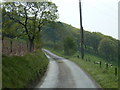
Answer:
(69, 46)
(93, 40)
(87, 37)
(32, 16)
(108, 49)
(54, 34)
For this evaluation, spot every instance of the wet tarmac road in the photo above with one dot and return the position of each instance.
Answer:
(63, 73)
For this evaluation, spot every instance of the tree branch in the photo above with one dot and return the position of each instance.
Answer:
(14, 19)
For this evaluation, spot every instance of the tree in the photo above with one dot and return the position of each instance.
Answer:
(93, 40)
(87, 39)
(32, 16)
(69, 46)
(108, 48)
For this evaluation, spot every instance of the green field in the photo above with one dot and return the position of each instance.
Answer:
(23, 71)
(104, 77)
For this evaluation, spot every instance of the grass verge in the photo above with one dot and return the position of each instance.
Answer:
(23, 71)
(104, 77)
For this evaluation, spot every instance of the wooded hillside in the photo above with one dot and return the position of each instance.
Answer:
(56, 34)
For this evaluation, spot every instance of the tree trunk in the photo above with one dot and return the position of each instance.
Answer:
(31, 48)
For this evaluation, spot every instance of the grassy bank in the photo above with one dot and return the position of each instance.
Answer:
(0, 74)
(25, 71)
(103, 76)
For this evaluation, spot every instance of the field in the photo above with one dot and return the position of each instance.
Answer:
(23, 71)
(105, 77)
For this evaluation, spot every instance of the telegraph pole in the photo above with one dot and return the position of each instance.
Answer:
(82, 32)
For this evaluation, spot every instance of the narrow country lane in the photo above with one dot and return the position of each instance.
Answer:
(63, 73)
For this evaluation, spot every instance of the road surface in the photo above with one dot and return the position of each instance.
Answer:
(63, 73)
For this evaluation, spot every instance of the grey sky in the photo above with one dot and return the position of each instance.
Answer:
(98, 15)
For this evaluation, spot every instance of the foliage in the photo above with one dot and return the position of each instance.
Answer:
(52, 32)
(108, 49)
(69, 46)
(9, 28)
(92, 40)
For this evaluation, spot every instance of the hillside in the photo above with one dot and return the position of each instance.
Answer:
(54, 35)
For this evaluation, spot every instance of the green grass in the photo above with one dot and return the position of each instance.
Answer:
(104, 77)
(21, 72)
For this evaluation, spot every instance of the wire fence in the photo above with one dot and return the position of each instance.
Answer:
(14, 47)
(101, 65)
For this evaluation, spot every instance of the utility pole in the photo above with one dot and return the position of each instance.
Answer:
(82, 32)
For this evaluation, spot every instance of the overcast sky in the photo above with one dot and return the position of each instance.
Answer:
(98, 15)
